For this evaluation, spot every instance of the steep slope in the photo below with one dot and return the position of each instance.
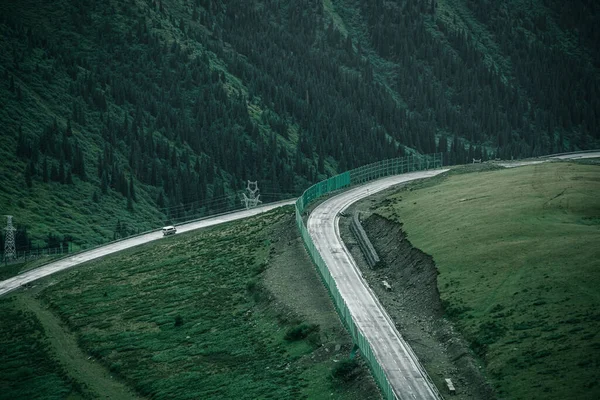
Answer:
(162, 110)
(114, 121)
(181, 319)
(518, 270)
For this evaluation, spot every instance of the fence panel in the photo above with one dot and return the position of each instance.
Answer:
(355, 177)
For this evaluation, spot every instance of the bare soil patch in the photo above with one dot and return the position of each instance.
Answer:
(297, 292)
(414, 303)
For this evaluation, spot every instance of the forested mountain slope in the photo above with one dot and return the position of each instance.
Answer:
(120, 114)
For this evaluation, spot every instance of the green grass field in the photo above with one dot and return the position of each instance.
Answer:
(519, 261)
(193, 316)
(28, 369)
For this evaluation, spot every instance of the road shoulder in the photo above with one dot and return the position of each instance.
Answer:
(413, 303)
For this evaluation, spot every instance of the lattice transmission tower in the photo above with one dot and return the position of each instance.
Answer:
(251, 198)
(10, 251)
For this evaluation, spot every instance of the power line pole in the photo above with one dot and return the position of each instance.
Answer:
(10, 252)
(250, 199)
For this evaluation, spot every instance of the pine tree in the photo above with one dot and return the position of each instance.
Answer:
(132, 189)
(104, 183)
(45, 170)
(68, 130)
(28, 180)
(54, 176)
(129, 202)
(321, 165)
(118, 230)
(61, 171)
(160, 200)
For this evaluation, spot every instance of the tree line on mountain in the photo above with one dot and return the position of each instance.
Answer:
(24, 243)
(163, 115)
(41, 153)
(546, 103)
(183, 133)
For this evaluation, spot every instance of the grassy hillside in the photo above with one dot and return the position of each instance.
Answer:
(185, 318)
(100, 128)
(27, 366)
(519, 270)
(139, 112)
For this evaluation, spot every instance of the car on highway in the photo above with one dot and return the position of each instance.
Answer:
(169, 230)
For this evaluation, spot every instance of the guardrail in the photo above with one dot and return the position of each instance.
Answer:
(357, 176)
(94, 247)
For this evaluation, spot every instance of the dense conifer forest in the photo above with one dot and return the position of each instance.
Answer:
(141, 112)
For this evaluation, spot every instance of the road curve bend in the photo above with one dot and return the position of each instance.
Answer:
(402, 368)
(565, 156)
(27, 277)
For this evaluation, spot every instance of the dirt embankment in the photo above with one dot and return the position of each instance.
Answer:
(414, 304)
(296, 292)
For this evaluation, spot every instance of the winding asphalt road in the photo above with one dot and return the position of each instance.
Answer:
(407, 377)
(568, 156)
(402, 368)
(68, 262)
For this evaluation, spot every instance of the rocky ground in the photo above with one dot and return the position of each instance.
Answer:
(414, 303)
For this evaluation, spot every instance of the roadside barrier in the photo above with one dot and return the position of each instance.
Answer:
(354, 177)
(64, 255)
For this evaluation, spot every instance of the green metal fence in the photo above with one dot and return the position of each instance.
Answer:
(357, 176)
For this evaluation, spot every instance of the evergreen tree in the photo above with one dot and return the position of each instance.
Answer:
(45, 170)
(132, 189)
(28, 180)
(61, 171)
(54, 175)
(104, 183)
(129, 202)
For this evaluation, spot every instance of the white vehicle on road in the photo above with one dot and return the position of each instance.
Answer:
(169, 230)
(15, 282)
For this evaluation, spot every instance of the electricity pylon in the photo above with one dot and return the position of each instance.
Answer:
(251, 199)
(10, 252)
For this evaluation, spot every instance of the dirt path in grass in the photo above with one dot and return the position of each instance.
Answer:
(95, 379)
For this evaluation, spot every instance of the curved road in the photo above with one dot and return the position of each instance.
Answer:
(577, 156)
(68, 262)
(401, 366)
(566, 156)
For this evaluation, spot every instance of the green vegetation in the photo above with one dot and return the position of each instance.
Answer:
(191, 316)
(345, 370)
(28, 369)
(517, 252)
(300, 332)
(120, 115)
(8, 271)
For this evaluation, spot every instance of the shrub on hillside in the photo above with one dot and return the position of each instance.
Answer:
(345, 370)
(178, 320)
(301, 331)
